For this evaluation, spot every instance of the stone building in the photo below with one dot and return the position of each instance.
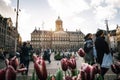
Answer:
(58, 39)
(113, 39)
(8, 33)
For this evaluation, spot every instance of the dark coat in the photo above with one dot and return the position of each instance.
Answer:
(102, 47)
(24, 53)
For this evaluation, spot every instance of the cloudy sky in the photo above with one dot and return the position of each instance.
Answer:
(84, 15)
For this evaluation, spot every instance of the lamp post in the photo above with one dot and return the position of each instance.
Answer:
(17, 14)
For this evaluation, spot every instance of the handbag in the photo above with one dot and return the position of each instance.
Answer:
(107, 60)
(94, 52)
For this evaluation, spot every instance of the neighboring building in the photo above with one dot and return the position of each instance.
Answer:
(113, 39)
(58, 39)
(8, 33)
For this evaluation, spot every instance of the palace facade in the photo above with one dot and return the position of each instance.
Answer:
(58, 39)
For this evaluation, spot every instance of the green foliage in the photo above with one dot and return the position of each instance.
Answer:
(59, 75)
(34, 76)
(99, 78)
(75, 72)
(50, 76)
(57, 56)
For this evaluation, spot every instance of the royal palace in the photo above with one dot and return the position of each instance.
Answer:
(58, 39)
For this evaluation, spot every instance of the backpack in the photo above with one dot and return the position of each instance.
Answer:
(86, 49)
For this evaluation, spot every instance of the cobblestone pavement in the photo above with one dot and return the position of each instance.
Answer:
(55, 65)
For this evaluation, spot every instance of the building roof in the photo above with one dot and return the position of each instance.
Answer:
(61, 32)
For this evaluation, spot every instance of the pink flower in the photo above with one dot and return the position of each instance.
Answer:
(81, 52)
(40, 67)
(72, 63)
(88, 72)
(64, 64)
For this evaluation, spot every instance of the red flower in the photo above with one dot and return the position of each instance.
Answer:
(2, 74)
(116, 67)
(40, 67)
(88, 72)
(68, 78)
(10, 73)
(64, 64)
(81, 52)
(72, 63)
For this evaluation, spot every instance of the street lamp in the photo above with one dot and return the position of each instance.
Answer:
(17, 13)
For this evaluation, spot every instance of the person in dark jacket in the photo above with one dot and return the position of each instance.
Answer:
(2, 59)
(46, 55)
(89, 57)
(102, 47)
(24, 56)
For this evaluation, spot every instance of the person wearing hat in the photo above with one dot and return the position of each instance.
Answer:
(102, 47)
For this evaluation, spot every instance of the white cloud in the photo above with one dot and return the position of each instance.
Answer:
(7, 1)
(68, 7)
(115, 3)
(95, 3)
(78, 20)
(112, 26)
(24, 24)
(89, 22)
(5, 8)
(103, 13)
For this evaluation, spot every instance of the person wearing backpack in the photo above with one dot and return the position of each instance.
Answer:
(88, 48)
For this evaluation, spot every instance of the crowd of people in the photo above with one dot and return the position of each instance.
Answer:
(101, 46)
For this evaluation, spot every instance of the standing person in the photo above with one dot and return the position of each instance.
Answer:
(24, 56)
(88, 48)
(102, 47)
(48, 55)
(2, 59)
(30, 51)
(45, 54)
